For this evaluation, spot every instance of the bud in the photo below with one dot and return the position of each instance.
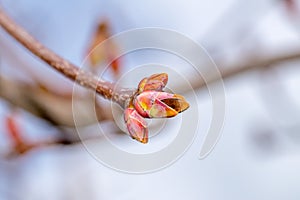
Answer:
(136, 125)
(155, 82)
(153, 104)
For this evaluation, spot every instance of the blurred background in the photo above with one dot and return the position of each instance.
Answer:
(256, 46)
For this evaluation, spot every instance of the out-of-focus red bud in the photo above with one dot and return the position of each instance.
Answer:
(136, 125)
(19, 144)
(153, 104)
(13, 130)
(102, 50)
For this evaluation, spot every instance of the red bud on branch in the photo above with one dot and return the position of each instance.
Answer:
(136, 125)
(151, 102)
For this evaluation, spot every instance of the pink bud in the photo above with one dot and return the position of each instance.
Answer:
(153, 104)
(136, 125)
(155, 82)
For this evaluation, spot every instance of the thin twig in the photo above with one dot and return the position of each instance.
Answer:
(104, 88)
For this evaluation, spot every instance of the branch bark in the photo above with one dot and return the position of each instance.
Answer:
(106, 89)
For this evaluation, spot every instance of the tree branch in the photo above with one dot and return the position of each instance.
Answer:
(88, 80)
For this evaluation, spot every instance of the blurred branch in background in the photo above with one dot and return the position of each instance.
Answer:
(254, 62)
(37, 99)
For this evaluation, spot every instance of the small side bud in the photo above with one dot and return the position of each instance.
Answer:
(136, 125)
(155, 82)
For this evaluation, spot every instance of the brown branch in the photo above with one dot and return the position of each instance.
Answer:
(104, 88)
